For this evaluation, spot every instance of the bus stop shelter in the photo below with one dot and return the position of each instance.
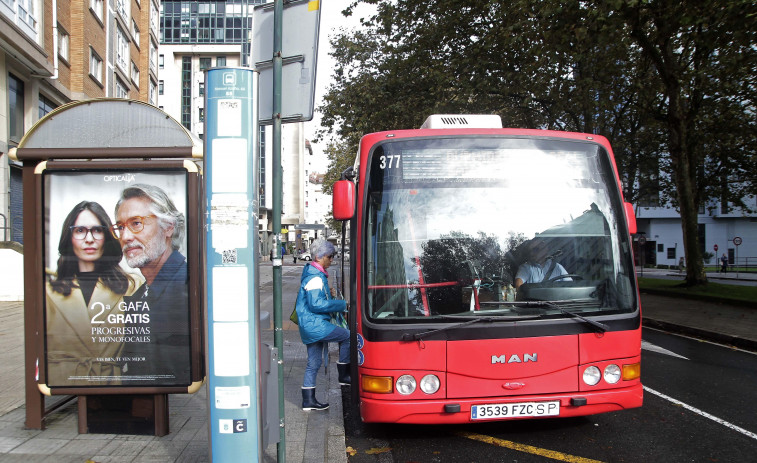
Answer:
(103, 134)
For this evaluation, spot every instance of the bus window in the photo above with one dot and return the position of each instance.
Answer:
(447, 221)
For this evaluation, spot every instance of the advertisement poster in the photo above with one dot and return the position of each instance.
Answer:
(116, 278)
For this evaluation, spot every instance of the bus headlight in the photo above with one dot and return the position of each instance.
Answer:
(405, 384)
(592, 375)
(430, 384)
(612, 373)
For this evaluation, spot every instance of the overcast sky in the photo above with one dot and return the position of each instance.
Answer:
(331, 21)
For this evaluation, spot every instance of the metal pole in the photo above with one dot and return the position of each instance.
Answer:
(278, 16)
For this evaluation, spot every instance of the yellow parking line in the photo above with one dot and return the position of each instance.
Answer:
(526, 448)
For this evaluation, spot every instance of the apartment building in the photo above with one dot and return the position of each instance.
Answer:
(199, 35)
(56, 51)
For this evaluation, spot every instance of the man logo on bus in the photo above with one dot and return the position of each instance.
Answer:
(514, 358)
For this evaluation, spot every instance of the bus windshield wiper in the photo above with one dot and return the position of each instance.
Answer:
(600, 327)
(419, 336)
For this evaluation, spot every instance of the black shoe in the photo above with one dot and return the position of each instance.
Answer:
(344, 373)
(309, 401)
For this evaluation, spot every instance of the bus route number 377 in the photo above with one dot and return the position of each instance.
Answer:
(389, 162)
(515, 410)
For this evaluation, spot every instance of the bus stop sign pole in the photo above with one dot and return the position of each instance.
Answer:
(231, 247)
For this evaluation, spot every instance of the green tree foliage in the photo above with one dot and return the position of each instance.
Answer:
(670, 84)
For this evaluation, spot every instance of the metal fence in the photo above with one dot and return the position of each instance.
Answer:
(746, 264)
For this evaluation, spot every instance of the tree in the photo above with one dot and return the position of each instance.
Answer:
(701, 53)
(340, 158)
(670, 84)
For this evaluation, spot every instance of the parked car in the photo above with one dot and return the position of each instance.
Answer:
(305, 255)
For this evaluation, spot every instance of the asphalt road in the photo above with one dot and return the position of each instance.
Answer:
(698, 406)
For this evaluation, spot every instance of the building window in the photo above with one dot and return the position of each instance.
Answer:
(95, 66)
(135, 32)
(122, 50)
(154, 19)
(202, 88)
(123, 7)
(221, 61)
(153, 92)
(161, 62)
(16, 108)
(45, 106)
(160, 87)
(204, 63)
(206, 21)
(63, 43)
(135, 74)
(96, 6)
(672, 253)
(186, 92)
(153, 57)
(201, 111)
(121, 90)
(26, 13)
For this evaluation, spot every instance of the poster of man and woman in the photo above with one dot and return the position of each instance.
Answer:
(116, 278)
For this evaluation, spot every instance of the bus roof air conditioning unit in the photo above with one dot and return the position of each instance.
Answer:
(463, 121)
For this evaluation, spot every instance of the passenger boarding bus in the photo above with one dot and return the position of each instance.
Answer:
(492, 275)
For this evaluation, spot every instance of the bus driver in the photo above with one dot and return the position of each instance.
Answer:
(540, 265)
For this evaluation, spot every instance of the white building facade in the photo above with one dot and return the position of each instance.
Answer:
(661, 227)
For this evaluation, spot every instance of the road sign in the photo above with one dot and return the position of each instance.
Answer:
(715, 247)
(642, 240)
(737, 241)
(299, 53)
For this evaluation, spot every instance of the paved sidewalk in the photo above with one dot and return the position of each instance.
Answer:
(310, 436)
(733, 325)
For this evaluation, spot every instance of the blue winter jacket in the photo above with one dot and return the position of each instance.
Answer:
(315, 305)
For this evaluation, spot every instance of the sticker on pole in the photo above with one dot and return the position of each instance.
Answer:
(232, 426)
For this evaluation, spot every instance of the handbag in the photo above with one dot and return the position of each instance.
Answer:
(338, 319)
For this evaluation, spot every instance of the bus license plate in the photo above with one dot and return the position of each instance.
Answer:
(515, 410)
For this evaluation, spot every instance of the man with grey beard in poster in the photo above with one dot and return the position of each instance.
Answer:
(151, 230)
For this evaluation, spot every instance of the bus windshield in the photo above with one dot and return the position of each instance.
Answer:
(494, 226)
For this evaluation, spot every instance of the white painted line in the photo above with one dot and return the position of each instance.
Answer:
(655, 348)
(702, 413)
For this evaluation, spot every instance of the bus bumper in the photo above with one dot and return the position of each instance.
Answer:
(433, 411)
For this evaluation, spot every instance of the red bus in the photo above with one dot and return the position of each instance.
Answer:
(491, 275)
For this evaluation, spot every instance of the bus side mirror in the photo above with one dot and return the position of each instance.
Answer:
(630, 218)
(343, 200)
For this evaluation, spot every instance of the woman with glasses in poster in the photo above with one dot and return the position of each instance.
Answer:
(85, 320)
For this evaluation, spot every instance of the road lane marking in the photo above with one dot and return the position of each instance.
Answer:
(526, 448)
(703, 413)
(646, 345)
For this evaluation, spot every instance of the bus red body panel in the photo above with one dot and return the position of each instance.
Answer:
(432, 411)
